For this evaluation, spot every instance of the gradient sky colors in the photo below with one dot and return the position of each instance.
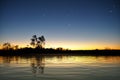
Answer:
(73, 24)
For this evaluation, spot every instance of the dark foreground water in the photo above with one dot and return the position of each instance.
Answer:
(60, 68)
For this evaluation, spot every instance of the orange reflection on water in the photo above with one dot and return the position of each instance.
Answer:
(59, 59)
(83, 59)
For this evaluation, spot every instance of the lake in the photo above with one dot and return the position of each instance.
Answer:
(59, 67)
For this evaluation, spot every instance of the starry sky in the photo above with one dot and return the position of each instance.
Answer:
(72, 24)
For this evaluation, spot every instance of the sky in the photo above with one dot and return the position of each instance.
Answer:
(71, 24)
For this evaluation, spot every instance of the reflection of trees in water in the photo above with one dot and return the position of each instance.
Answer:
(38, 65)
(7, 59)
(12, 59)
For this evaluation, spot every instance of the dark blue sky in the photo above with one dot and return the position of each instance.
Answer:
(74, 24)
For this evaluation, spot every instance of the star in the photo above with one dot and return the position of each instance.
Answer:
(110, 11)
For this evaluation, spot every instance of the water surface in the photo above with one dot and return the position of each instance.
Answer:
(60, 68)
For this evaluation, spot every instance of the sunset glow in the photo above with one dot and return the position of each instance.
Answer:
(68, 24)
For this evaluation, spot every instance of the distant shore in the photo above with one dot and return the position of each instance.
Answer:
(26, 52)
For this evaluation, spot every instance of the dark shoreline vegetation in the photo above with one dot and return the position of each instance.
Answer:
(38, 48)
(34, 52)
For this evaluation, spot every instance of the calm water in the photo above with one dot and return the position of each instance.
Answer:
(60, 68)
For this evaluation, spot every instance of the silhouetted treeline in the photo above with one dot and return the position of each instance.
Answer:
(50, 51)
(38, 44)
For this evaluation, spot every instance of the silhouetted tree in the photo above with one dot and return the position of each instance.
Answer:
(38, 42)
(16, 47)
(32, 42)
(42, 41)
(6, 46)
(60, 48)
(27, 46)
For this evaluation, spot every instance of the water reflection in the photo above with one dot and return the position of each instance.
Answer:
(38, 65)
(39, 61)
(60, 67)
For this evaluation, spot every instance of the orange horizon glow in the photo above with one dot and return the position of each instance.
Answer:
(71, 45)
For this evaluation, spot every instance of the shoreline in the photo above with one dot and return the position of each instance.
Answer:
(45, 52)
